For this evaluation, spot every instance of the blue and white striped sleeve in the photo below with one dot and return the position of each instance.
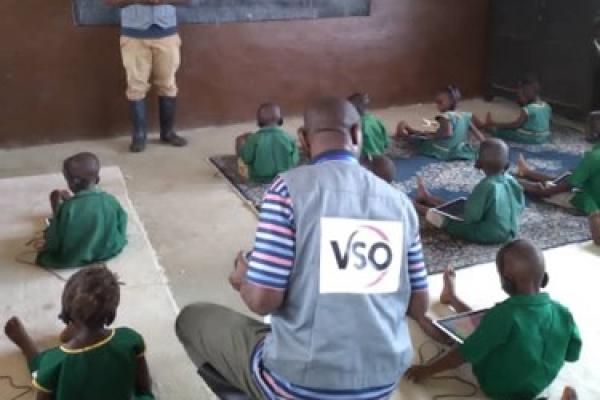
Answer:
(416, 266)
(271, 261)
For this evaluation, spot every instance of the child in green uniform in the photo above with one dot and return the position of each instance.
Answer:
(450, 140)
(493, 208)
(269, 151)
(533, 124)
(522, 343)
(88, 226)
(93, 362)
(375, 136)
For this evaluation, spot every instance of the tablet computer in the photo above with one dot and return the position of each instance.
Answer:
(454, 209)
(460, 326)
(562, 178)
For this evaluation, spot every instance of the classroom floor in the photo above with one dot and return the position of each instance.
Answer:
(195, 222)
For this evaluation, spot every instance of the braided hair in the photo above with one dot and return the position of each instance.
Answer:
(454, 96)
(91, 296)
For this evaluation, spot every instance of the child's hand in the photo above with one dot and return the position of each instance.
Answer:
(489, 122)
(418, 373)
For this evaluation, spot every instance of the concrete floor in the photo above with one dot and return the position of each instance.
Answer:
(194, 220)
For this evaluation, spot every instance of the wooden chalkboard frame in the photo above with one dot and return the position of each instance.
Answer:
(96, 13)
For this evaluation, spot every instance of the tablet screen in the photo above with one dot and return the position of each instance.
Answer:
(461, 326)
(454, 209)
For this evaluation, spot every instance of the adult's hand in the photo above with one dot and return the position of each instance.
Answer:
(238, 276)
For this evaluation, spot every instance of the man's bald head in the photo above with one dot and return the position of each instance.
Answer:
(268, 114)
(332, 123)
(82, 170)
(493, 156)
(521, 262)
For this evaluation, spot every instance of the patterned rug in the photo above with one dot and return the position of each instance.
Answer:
(548, 226)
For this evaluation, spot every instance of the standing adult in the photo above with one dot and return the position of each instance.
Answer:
(337, 262)
(150, 48)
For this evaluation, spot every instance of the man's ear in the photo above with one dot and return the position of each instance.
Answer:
(303, 139)
(356, 136)
(280, 122)
(545, 280)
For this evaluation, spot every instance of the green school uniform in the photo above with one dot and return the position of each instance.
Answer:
(456, 146)
(521, 345)
(586, 178)
(375, 136)
(492, 212)
(269, 152)
(106, 370)
(535, 130)
(90, 227)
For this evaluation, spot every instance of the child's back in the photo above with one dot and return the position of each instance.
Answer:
(106, 370)
(90, 227)
(521, 345)
(269, 152)
(375, 136)
(586, 178)
(492, 211)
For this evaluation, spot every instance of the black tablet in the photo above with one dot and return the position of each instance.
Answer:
(460, 326)
(454, 209)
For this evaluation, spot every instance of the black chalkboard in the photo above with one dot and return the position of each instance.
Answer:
(95, 12)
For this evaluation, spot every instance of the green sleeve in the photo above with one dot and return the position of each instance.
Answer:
(46, 377)
(122, 219)
(55, 232)
(295, 154)
(249, 149)
(384, 134)
(136, 340)
(477, 203)
(582, 172)
(574, 347)
(492, 332)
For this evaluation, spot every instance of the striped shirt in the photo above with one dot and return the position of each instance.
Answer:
(270, 266)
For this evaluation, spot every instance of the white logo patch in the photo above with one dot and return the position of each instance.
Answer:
(360, 256)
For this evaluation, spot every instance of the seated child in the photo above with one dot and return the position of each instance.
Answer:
(88, 226)
(493, 208)
(375, 136)
(581, 191)
(270, 150)
(522, 343)
(93, 362)
(533, 124)
(450, 140)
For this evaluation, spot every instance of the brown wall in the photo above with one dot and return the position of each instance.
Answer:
(60, 82)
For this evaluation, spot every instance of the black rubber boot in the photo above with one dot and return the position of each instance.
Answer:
(167, 108)
(138, 120)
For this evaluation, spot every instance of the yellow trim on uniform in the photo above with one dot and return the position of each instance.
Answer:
(88, 348)
(39, 387)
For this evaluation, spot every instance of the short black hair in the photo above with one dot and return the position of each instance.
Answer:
(453, 94)
(91, 296)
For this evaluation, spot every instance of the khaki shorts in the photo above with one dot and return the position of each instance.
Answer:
(150, 62)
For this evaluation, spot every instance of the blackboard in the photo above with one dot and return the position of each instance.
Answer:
(95, 12)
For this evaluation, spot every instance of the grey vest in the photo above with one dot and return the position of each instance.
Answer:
(340, 341)
(142, 17)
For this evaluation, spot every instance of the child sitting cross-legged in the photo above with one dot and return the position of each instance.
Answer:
(449, 141)
(270, 150)
(522, 343)
(492, 210)
(93, 362)
(88, 225)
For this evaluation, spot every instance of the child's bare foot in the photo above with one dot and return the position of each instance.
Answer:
(522, 166)
(16, 332)
(422, 193)
(569, 394)
(448, 294)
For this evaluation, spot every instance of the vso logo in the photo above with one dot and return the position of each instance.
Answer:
(366, 247)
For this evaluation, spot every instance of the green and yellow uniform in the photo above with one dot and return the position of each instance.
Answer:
(492, 212)
(269, 152)
(456, 147)
(375, 136)
(586, 178)
(536, 128)
(90, 227)
(521, 345)
(106, 370)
